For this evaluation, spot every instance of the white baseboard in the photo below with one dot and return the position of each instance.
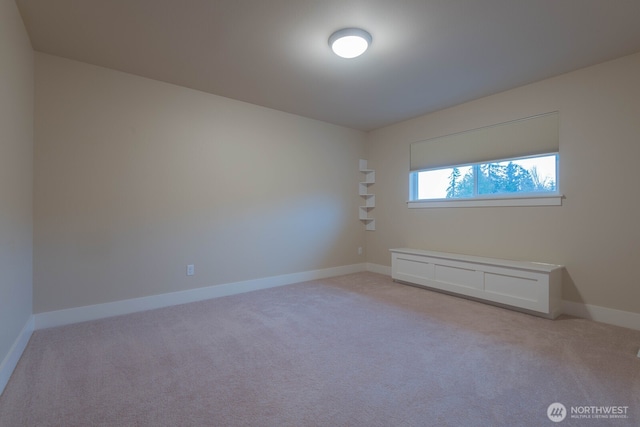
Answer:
(11, 360)
(378, 268)
(596, 313)
(99, 311)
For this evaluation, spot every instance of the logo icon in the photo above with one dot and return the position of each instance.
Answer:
(556, 412)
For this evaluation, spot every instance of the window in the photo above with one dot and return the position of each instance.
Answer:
(506, 164)
(532, 177)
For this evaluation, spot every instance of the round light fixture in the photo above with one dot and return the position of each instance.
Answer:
(349, 42)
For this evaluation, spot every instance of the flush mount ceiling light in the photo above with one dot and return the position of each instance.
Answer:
(349, 42)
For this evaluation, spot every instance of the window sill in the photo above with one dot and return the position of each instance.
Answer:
(546, 200)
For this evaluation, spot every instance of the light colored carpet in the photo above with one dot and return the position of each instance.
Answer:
(355, 350)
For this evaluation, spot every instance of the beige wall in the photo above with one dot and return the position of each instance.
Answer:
(135, 178)
(596, 233)
(16, 175)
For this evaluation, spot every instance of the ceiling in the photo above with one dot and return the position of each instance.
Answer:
(426, 54)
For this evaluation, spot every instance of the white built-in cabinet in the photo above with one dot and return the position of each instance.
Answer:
(529, 286)
(369, 200)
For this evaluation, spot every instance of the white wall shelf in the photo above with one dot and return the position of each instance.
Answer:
(369, 200)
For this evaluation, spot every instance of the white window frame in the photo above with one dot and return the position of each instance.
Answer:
(504, 199)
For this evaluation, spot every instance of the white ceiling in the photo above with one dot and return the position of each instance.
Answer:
(426, 55)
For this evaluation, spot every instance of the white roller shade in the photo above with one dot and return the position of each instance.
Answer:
(518, 138)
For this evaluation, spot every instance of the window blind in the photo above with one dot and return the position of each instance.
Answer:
(519, 138)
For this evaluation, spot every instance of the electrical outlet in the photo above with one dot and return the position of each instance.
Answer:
(191, 270)
(359, 250)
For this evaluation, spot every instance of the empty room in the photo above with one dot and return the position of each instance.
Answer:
(319, 213)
